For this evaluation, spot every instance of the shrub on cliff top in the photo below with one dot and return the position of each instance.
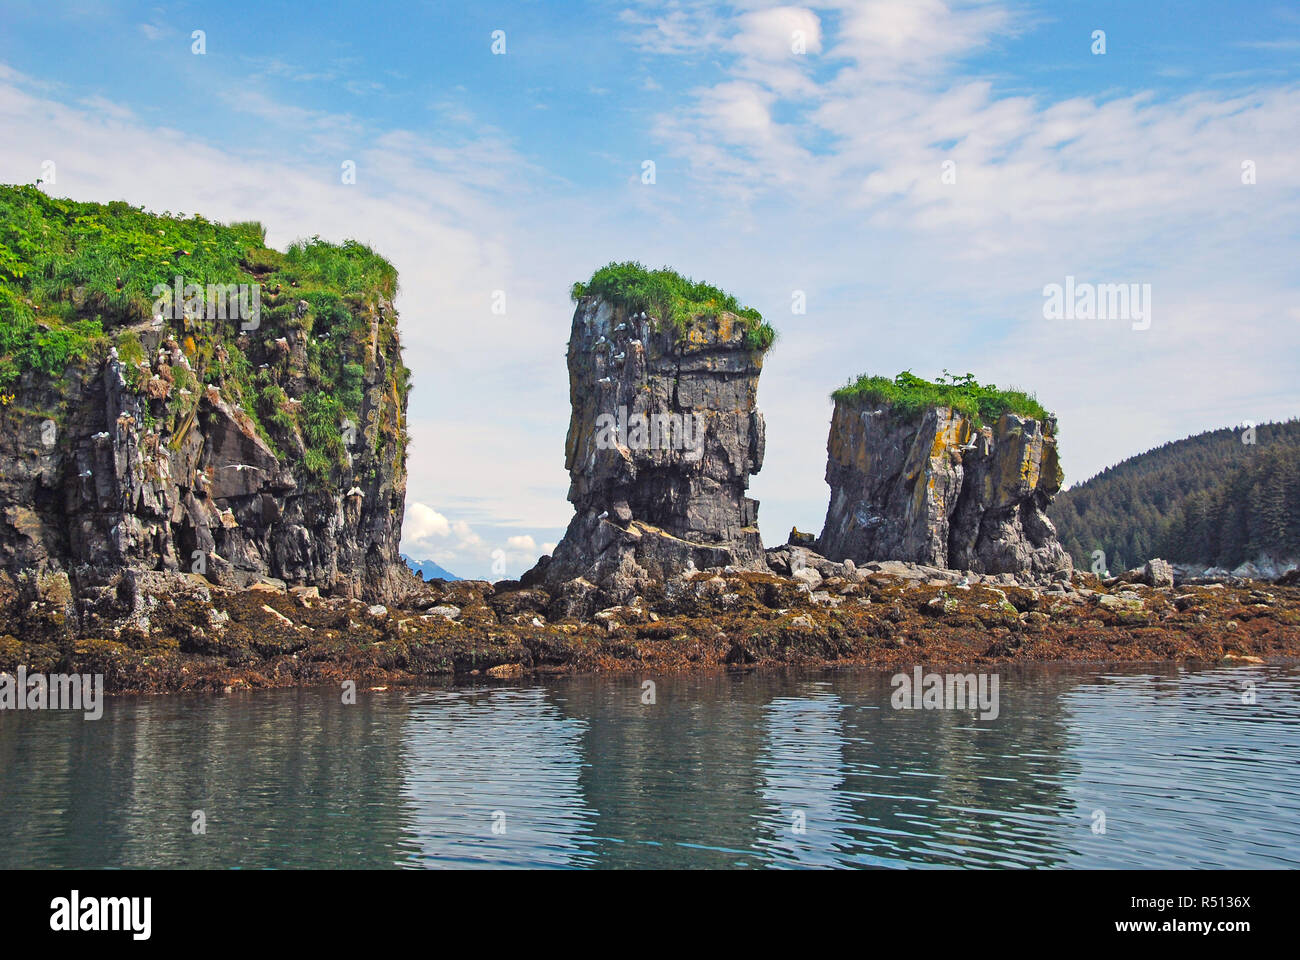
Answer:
(909, 395)
(666, 294)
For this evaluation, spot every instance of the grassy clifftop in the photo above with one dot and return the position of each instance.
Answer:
(909, 395)
(667, 295)
(79, 278)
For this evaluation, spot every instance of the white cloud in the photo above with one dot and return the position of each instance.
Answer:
(889, 38)
(673, 26)
(422, 523)
(522, 542)
(770, 34)
(465, 536)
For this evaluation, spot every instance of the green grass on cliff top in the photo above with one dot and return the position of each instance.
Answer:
(666, 294)
(112, 255)
(69, 268)
(909, 395)
(75, 277)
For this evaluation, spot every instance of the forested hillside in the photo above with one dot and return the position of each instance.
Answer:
(1210, 499)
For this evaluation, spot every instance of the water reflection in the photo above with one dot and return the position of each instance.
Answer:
(493, 779)
(1188, 767)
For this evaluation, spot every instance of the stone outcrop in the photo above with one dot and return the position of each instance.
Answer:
(663, 436)
(932, 489)
(117, 469)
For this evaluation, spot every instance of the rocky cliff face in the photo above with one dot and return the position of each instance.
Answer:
(182, 446)
(100, 485)
(663, 436)
(935, 490)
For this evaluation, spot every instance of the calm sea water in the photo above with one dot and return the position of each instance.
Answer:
(753, 770)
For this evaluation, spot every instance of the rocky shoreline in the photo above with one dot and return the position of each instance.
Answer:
(193, 636)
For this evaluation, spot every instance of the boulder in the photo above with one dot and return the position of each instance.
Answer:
(1158, 573)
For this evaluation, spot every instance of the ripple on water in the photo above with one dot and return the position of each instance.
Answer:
(749, 770)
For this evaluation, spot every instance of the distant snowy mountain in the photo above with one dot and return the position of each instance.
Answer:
(429, 570)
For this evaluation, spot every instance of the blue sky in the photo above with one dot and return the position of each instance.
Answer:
(775, 172)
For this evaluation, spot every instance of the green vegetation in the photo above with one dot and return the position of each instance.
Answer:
(76, 278)
(47, 350)
(909, 395)
(667, 295)
(1208, 499)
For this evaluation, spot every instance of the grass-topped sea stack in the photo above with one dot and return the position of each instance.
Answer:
(663, 435)
(176, 397)
(948, 473)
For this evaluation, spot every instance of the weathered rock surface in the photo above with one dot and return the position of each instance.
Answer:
(663, 436)
(934, 490)
(98, 478)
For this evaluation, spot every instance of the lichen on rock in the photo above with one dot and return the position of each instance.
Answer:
(935, 485)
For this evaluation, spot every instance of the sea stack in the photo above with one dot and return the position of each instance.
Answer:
(933, 484)
(663, 436)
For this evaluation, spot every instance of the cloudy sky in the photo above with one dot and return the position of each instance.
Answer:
(917, 171)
